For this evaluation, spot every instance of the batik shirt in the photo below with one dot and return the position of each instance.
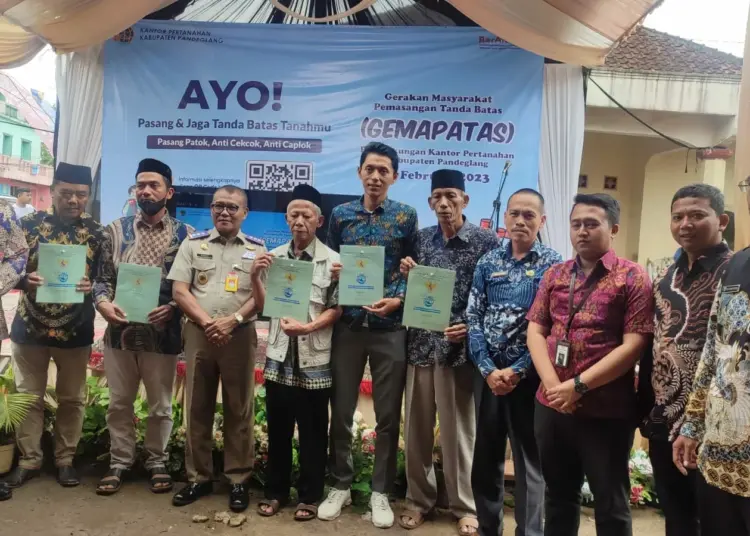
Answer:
(54, 324)
(502, 291)
(392, 225)
(460, 254)
(132, 240)
(718, 410)
(683, 301)
(621, 303)
(13, 254)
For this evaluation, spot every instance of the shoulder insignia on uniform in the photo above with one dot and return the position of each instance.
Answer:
(256, 240)
(199, 234)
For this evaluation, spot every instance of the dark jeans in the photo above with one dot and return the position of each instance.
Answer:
(309, 409)
(677, 493)
(721, 513)
(572, 447)
(499, 417)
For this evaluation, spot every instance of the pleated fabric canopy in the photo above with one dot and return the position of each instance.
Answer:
(572, 31)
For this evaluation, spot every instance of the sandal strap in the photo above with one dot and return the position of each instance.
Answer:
(309, 508)
(114, 472)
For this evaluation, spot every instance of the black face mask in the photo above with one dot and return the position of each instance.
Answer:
(151, 208)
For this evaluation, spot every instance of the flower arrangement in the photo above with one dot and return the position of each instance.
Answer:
(641, 481)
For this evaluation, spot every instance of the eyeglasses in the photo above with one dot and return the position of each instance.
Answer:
(744, 185)
(218, 208)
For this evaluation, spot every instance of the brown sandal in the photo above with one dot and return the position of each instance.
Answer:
(309, 508)
(468, 526)
(415, 519)
(272, 503)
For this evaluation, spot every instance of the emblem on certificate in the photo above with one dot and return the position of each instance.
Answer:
(562, 353)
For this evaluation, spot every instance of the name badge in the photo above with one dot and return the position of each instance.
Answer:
(562, 353)
(231, 283)
(248, 255)
(499, 274)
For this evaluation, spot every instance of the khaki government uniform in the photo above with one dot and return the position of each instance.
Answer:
(204, 260)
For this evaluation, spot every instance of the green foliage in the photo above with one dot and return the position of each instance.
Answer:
(46, 159)
(14, 407)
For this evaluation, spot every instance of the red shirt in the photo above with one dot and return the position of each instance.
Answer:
(621, 302)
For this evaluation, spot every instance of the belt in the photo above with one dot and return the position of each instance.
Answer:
(355, 324)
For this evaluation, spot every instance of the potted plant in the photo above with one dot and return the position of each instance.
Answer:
(14, 407)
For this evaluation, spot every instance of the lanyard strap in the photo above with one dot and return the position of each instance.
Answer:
(573, 311)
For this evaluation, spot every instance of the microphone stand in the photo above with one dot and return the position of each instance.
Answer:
(496, 204)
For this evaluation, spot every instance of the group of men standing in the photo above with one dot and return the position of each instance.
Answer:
(539, 351)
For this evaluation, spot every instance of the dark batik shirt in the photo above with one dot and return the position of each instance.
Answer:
(132, 240)
(718, 409)
(54, 324)
(502, 292)
(13, 255)
(621, 303)
(392, 225)
(460, 254)
(683, 301)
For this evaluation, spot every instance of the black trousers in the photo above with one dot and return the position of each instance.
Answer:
(500, 417)
(677, 493)
(309, 409)
(721, 513)
(572, 447)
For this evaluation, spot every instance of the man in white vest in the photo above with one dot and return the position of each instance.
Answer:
(298, 372)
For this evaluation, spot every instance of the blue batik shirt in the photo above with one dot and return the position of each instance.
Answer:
(392, 225)
(501, 294)
(461, 254)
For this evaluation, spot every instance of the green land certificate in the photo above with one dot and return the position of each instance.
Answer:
(429, 296)
(62, 267)
(361, 279)
(288, 289)
(137, 291)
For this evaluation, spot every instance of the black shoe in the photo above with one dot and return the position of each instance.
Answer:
(5, 492)
(192, 492)
(239, 498)
(67, 476)
(20, 476)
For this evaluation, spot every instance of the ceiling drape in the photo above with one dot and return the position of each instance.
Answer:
(571, 31)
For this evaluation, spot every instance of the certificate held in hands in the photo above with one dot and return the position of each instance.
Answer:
(429, 296)
(288, 289)
(137, 291)
(361, 279)
(62, 267)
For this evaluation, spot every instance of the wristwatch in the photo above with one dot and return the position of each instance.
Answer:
(240, 319)
(581, 388)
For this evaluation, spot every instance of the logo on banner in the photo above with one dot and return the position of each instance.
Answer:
(125, 36)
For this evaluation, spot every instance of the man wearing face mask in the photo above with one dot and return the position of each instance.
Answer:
(135, 352)
(439, 379)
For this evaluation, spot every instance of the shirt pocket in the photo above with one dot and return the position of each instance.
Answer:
(243, 271)
(319, 292)
(203, 273)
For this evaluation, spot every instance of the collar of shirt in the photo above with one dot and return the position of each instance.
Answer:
(50, 216)
(534, 253)
(307, 254)
(361, 207)
(463, 234)
(214, 236)
(608, 261)
(706, 262)
(140, 222)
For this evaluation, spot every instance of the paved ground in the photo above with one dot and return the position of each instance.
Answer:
(44, 508)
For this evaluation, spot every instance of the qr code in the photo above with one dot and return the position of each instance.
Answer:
(272, 176)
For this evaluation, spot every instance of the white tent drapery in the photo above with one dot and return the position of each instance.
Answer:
(570, 31)
(560, 150)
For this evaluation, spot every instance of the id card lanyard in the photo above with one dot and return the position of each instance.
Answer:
(562, 351)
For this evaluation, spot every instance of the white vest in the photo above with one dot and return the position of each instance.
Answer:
(314, 348)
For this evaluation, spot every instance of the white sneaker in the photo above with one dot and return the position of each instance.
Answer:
(330, 509)
(382, 515)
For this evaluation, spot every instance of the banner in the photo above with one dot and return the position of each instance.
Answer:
(270, 106)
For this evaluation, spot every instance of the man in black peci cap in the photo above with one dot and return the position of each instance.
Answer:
(63, 332)
(298, 371)
(135, 352)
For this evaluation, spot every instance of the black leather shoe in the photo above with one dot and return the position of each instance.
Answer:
(67, 476)
(5, 492)
(239, 498)
(192, 492)
(20, 476)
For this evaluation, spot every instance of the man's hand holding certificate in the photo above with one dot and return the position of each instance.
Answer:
(288, 289)
(429, 296)
(61, 276)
